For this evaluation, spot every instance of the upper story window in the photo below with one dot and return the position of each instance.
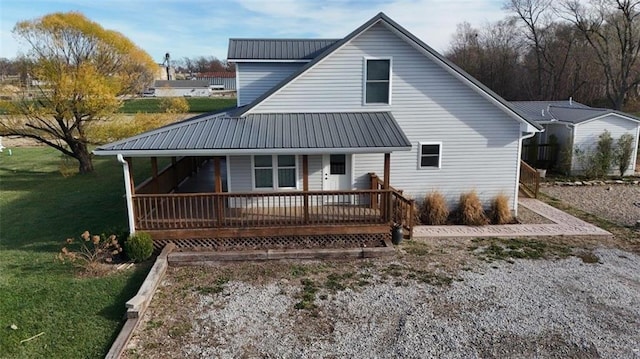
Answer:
(274, 172)
(430, 155)
(378, 81)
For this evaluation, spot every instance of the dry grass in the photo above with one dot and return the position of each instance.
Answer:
(434, 210)
(500, 212)
(470, 211)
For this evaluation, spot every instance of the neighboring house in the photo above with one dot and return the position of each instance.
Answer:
(577, 127)
(219, 80)
(180, 88)
(315, 119)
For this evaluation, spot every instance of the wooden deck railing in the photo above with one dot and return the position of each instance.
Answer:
(266, 209)
(529, 179)
(402, 208)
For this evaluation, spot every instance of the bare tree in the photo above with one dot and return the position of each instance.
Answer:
(612, 29)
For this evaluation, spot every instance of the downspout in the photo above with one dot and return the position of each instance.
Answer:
(517, 190)
(128, 194)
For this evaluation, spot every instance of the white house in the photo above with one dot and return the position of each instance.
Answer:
(321, 115)
(577, 127)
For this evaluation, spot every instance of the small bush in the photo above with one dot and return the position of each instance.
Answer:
(174, 105)
(470, 211)
(623, 152)
(434, 210)
(139, 247)
(90, 252)
(500, 212)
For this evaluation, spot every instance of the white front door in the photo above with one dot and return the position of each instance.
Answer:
(336, 175)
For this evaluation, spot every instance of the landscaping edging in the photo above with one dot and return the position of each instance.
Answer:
(139, 303)
(203, 258)
(590, 183)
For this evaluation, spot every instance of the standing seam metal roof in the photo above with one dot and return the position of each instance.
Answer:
(277, 49)
(272, 131)
(564, 111)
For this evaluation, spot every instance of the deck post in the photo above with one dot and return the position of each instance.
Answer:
(374, 186)
(386, 185)
(129, 190)
(174, 171)
(218, 189)
(154, 174)
(305, 186)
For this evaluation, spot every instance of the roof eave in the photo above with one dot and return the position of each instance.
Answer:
(248, 151)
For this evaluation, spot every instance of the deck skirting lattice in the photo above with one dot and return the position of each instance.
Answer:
(277, 242)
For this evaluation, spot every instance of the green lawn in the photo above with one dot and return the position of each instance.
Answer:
(80, 317)
(196, 104)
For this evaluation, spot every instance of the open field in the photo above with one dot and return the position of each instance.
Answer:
(39, 209)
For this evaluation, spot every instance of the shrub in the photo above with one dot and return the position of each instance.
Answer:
(470, 211)
(597, 162)
(90, 252)
(126, 126)
(623, 152)
(434, 209)
(174, 105)
(500, 212)
(139, 246)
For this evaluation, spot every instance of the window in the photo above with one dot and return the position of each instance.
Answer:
(378, 80)
(338, 164)
(430, 155)
(284, 175)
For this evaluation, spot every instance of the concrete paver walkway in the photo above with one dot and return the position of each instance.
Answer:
(564, 224)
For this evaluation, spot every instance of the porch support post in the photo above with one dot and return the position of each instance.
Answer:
(154, 174)
(386, 185)
(305, 186)
(218, 189)
(174, 171)
(128, 190)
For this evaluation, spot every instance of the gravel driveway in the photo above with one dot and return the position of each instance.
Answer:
(615, 202)
(572, 297)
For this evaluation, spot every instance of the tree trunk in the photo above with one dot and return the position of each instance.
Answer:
(81, 153)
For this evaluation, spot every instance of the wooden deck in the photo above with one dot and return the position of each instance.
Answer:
(182, 201)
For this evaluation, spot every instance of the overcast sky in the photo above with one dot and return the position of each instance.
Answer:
(190, 28)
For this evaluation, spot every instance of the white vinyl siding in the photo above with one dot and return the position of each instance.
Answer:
(430, 105)
(586, 138)
(254, 79)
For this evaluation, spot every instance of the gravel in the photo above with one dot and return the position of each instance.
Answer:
(615, 202)
(529, 308)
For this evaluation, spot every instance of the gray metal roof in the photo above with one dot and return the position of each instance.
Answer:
(180, 83)
(277, 49)
(382, 17)
(563, 111)
(298, 133)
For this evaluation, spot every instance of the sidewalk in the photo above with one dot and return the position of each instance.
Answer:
(564, 224)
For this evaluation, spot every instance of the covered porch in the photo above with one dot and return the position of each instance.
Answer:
(188, 199)
(196, 197)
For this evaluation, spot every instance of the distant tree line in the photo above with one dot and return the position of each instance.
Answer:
(556, 49)
(203, 64)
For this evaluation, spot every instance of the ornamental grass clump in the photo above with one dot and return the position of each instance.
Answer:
(139, 246)
(470, 211)
(434, 210)
(500, 212)
(90, 252)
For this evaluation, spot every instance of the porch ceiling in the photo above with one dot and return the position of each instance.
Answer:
(277, 133)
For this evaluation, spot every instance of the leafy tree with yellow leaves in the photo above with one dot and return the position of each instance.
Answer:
(81, 70)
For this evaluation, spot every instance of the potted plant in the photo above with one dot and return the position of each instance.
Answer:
(396, 233)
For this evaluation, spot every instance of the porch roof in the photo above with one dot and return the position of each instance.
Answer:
(570, 112)
(274, 133)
